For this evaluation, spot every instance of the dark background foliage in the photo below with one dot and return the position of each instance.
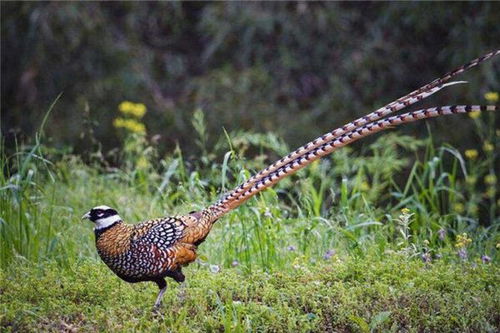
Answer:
(296, 68)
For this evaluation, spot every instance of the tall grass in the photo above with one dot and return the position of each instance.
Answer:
(347, 203)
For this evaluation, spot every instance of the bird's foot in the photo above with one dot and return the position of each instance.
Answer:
(156, 311)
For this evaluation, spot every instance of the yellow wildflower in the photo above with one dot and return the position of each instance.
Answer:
(137, 110)
(471, 180)
(125, 107)
(364, 186)
(463, 240)
(459, 208)
(491, 97)
(314, 165)
(405, 210)
(498, 245)
(474, 114)
(131, 125)
(136, 127)
(490, 192)
(488, 146)
(426, 242)
(471, 154)
(142, 163)
(490, 179)
(118, 122)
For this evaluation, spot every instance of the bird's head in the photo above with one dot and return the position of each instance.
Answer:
(102, 216)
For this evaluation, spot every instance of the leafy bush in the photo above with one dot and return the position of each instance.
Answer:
(248, 65)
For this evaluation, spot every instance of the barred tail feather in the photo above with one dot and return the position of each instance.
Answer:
(405, 101)
(223, 206)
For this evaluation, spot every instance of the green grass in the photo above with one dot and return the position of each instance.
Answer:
(381, 293)
(326, 249)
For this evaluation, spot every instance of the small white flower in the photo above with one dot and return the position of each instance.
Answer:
(215, 269)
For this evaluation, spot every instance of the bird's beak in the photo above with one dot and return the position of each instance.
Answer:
(86, 216)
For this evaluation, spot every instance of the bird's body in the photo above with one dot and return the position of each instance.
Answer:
(145, 251)
(159, 248)
(151, 249)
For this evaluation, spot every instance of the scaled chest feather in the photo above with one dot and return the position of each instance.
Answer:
(114, 241)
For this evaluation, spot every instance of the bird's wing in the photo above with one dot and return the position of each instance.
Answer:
(163, 233)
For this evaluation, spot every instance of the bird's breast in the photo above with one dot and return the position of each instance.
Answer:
(114, 242)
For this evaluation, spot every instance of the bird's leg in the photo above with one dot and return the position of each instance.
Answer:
(160, 296)
(162, 284)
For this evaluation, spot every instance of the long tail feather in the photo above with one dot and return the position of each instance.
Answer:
(405, 101)
(223, 206)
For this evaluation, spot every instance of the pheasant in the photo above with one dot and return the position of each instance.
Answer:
(155, 249)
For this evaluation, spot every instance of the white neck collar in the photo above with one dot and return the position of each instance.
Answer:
(106, 222)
